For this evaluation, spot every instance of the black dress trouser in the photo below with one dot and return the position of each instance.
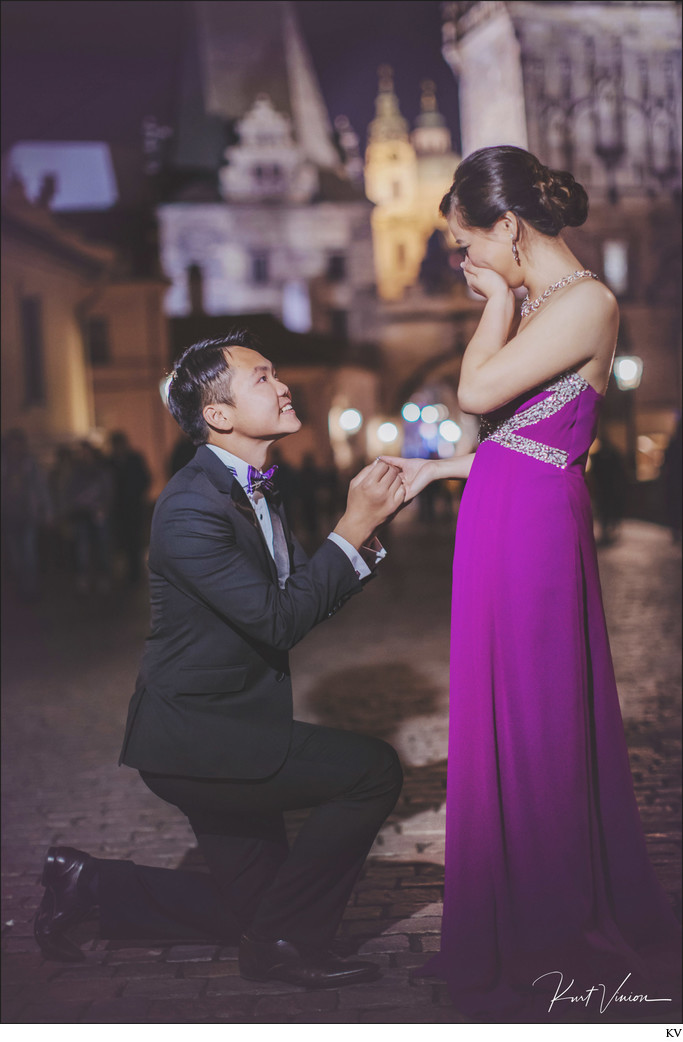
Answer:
(256, 881)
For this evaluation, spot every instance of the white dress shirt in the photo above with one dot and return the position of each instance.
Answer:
(260, 505)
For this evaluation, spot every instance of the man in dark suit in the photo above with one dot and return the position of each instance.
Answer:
(210, 725)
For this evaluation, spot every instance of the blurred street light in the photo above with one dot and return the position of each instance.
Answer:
(628, 370)
(350, 420)
(450, 431)
(410, 412)
(387, 433)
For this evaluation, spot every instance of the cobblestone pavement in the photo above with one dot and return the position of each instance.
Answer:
(380, 666)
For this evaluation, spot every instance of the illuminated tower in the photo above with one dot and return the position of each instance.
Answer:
(406, 174)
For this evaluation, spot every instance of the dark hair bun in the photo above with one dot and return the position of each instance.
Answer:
(491, 181)
(563, 197)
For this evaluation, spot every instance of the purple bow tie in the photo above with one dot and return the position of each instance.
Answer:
(261, 482)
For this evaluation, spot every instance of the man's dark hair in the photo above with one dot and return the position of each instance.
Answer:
(202, 376)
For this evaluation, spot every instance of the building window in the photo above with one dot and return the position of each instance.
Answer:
(296, 306)
(195, 288)
(339, 323)
(259, 268)
(615, 265)
(97, 340)
(32, 351)
(336, 267)
(400, 254)
(268, 176)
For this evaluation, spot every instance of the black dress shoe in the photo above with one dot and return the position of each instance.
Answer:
(67, 901)
(280, 960)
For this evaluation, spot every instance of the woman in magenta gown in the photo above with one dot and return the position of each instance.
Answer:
(548, 888)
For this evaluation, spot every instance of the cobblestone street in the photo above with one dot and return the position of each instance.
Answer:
(381, 667)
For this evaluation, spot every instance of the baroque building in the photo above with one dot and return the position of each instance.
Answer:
(595, 88)
(276, 224)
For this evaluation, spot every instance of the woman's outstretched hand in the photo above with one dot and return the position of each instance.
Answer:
(416, 474)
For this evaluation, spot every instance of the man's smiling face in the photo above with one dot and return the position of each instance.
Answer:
(262, 409)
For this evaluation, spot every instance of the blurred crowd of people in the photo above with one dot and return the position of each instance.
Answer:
(86, 514)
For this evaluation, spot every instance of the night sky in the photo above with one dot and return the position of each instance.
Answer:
(75, 70)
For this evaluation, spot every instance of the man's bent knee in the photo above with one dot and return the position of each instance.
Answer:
(386, 771)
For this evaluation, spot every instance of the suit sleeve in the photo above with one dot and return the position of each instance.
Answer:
(197, 548)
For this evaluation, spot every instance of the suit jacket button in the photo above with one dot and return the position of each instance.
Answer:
(280, 677)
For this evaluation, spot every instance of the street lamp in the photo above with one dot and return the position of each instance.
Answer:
(387, 432)
(450, 431)
(350, 420)
(628, 370)
(410, 412)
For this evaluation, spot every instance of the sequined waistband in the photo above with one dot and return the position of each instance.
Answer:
(561, 392)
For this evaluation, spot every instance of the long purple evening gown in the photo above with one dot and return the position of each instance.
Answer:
(546, 864)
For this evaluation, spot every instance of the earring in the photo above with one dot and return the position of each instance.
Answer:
(515, 252)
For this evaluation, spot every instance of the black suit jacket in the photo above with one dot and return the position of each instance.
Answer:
(214, 696)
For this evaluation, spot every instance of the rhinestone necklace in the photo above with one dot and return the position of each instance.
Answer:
(529, 306)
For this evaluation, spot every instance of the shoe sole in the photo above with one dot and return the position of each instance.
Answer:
(311, 985)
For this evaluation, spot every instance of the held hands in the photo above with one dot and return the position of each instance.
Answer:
(374, 495)
(486, 282)
(416, 474)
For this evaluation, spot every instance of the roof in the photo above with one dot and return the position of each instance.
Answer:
(234, 52)
(131, 232)
(37, 226)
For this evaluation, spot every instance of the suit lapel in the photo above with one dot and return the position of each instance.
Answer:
(225, 482)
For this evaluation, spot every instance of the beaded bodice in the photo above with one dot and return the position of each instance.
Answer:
(504, 430)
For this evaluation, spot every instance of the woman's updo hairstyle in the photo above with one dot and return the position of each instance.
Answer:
(493, 181)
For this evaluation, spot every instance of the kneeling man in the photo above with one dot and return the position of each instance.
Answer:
(210, 725)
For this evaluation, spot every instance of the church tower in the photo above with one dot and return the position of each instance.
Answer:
(406, 174)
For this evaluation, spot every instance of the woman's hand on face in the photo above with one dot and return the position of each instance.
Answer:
(416, 474)
(485, 281)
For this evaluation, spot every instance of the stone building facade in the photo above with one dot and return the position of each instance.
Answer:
(84, 343)
(48, 275)
(277, 225)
